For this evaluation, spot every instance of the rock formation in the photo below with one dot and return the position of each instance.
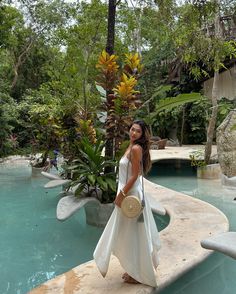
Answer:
(226, 144)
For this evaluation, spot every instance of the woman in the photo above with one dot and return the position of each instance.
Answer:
(135, 243)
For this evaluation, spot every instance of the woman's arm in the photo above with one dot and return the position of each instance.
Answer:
(135, 158)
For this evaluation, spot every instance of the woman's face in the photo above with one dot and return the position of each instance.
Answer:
(135, 132)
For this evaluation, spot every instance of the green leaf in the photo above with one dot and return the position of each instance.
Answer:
(71, 167)
(111, 184)
(172, 102)
(92, 179)
(101, 91)
(223, 111)
(102, 183)
(79, 190)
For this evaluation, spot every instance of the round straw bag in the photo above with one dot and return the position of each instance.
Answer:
(131, 206)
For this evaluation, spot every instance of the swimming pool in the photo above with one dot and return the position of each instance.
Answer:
(34, 245)
(217, 273)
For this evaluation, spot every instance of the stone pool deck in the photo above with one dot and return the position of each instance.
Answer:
(191, 220)
(177, 152)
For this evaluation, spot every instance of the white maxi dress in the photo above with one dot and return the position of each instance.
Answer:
(134, 243)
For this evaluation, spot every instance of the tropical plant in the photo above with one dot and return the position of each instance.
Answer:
(108, 69)
(87, 172)
(121, 97)
(203, 47)
(169, 103)
(197, 158)
(168, 110)
(197, 117)
(225, 106)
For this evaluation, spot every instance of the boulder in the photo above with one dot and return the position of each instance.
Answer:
(226, 144)
(229, 183)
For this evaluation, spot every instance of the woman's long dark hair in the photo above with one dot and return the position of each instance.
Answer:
(144, 142)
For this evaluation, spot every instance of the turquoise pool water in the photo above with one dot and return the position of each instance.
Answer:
(34, 245)
(216, 275)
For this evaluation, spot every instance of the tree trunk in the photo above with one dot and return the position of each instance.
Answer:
(111, 27)
(137, 32)
(109, 147)
(182, 127)
(87, 54)
(234, 78)
(215, 90)
(85, 82)
(20, 60)
(212, 122)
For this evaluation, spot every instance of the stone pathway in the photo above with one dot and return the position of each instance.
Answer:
(191, 221)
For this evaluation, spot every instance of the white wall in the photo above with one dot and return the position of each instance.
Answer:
(227, 88)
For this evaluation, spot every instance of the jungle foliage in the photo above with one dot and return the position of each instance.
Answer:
(49, 50)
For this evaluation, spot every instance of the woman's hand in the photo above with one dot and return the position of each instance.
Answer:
(119, 199)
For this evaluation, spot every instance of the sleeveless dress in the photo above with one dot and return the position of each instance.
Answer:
(134, 243)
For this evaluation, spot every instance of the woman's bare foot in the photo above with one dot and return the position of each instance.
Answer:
(128, 279)
(125, 276)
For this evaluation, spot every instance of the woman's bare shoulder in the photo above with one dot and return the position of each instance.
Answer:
(137, 150)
